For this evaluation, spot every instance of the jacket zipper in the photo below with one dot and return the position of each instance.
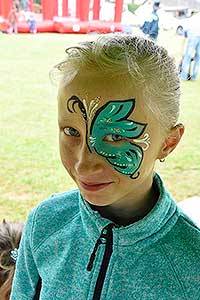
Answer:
(106, 238)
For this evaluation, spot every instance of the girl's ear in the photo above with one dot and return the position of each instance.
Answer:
(171, 141)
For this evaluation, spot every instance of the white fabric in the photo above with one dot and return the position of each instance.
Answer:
(191, 207)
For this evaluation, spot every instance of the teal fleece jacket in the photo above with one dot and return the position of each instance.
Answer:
(79, 255)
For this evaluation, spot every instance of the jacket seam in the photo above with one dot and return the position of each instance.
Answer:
(58, 229)
(32, 225)
(155, 234)
(175, 271)
(192, 225)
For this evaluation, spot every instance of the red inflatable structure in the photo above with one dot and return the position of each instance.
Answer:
(56, 17)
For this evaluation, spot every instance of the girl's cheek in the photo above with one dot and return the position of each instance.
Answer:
(67, 157)
(68, 149)
(67, 152)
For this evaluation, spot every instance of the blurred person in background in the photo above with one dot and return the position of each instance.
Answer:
(17, 5)
(25, 5)
(12, 19)
(150, 28)
(192, 50)
(32, 23)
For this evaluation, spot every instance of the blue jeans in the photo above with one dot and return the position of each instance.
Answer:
(193, 47)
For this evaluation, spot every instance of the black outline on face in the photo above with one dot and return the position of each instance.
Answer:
(75, 100)
(135, 137)
(122, 119)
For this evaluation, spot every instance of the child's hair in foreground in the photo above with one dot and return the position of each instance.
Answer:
(10, 235)
(152, 71)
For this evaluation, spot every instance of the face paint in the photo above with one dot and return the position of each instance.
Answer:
(92, 107)
(145, 140)
(111, 120)
(71, 108)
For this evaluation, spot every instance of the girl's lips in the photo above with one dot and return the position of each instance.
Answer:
(94, 186)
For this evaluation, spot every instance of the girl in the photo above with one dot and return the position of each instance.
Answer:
(120, 235)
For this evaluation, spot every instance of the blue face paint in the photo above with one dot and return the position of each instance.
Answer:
(111, 119)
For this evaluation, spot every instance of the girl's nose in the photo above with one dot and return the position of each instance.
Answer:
(88, 163)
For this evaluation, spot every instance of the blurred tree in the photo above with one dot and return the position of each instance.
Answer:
(37, 1)
(132, 6)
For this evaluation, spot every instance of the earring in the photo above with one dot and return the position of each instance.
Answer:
(162, 160)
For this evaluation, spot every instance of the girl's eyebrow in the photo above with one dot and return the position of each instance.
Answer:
(63, 118)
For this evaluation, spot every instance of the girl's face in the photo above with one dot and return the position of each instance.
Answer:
(108, 142)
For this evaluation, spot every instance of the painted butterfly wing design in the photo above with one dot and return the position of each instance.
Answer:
(112, 118)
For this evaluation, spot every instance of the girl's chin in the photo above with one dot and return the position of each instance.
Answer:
(96, 200)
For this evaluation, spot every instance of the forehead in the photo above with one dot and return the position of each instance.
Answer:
(92, 86)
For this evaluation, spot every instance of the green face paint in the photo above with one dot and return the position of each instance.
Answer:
(111, 119)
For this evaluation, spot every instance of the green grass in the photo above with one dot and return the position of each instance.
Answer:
(30, 168)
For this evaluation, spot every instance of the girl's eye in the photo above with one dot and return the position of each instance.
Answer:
(113, 138)
(71, 131)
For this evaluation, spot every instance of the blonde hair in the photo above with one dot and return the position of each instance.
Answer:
(151, 70)
(10, 235)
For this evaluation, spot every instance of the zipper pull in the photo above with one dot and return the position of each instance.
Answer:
(101, 240)
(92, 257)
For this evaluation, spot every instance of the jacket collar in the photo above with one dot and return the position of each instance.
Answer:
(152, 227)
